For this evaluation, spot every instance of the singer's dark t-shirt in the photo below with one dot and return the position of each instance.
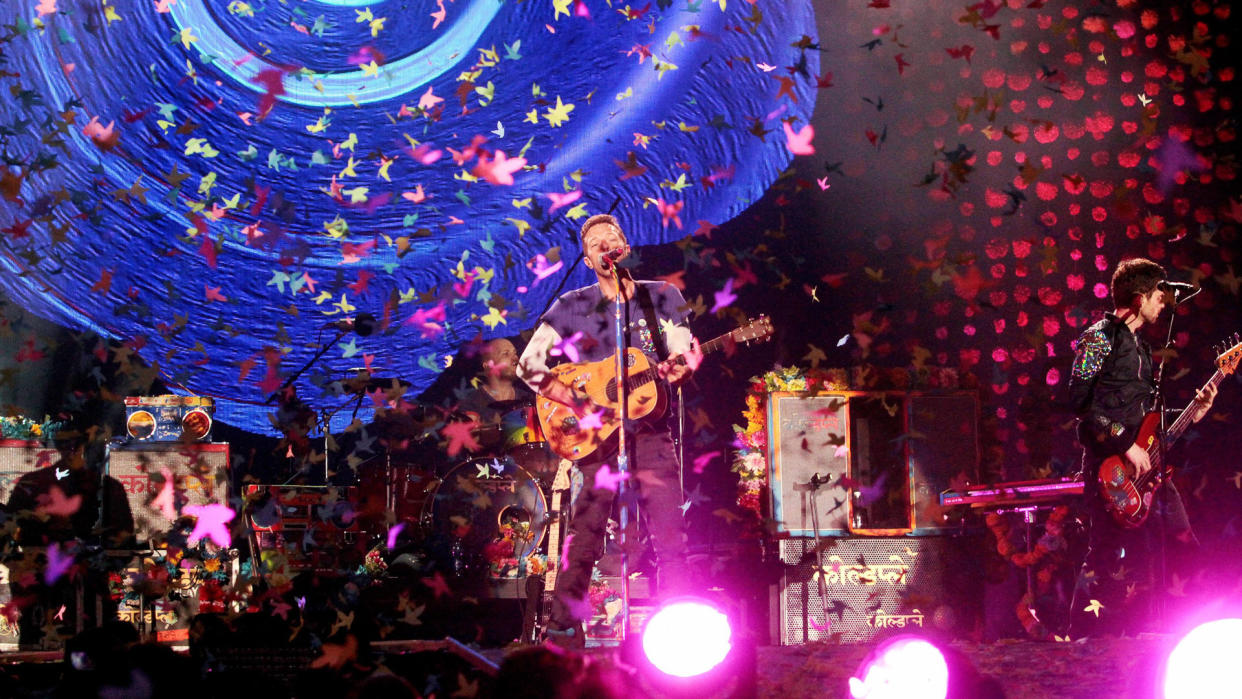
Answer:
(586, 311)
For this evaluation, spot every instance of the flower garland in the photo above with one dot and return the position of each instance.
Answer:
(750, 459)
(24, 429)
(605, 603)
(1048, 560)
(501, 552)
(373, 566)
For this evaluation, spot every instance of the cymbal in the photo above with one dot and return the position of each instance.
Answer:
(364, 382)
(413, 422)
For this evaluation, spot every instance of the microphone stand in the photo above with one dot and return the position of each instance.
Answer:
(814, 486)
(294, 377)
(1161, 494)
(623, 456)
(309, 363)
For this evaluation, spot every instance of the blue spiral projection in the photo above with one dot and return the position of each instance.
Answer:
(214, 182)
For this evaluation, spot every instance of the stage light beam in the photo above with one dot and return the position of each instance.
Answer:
(1205, 662)
(905, 666)
(687, 638)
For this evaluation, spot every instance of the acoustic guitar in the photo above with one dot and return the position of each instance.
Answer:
(1129, 499)
(575, 438)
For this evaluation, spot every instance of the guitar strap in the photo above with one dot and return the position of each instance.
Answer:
(657, 333)
(657, 337)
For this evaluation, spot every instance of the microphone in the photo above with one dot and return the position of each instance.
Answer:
(1178, 288)
(609, 257)
(363, 324)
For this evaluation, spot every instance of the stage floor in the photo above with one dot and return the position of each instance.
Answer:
(1023, 669)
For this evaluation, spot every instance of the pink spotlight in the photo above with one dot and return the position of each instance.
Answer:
(1205, 662)
(687, 638)
(905, 666)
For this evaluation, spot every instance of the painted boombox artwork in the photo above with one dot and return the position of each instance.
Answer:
(169, 418)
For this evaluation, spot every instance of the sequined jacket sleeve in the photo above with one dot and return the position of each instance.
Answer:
(1090, 351)
(1109, 386)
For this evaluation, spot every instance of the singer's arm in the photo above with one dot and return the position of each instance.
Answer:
(532, 368)
(677, 335)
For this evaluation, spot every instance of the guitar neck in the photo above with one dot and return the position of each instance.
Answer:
(714, 344)
(1188, 414)
(554, 543)
(651, 373)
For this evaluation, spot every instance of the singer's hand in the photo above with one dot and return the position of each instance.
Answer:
(565, 394)
(583, 405)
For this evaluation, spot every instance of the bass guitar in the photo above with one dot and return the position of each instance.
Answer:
(1129, 499)
(574, 437)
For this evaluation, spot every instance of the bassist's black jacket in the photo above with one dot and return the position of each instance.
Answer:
(1110, 387)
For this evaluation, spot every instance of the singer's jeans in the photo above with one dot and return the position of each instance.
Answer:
(653, 465)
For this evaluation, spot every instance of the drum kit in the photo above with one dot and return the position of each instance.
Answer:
(488, 512)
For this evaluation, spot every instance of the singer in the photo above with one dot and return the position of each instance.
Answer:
(579, 328)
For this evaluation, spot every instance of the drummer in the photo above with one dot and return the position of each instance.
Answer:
(498, 400)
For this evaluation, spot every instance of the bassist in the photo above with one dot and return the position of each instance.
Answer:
(1111, 389)
(579, 328)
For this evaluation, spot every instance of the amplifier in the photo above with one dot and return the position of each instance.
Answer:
(875, 585)
(19, 458)
(867, 462)
(304, 528)
(275, 508)
(199, 474)
(161, 603)
(169, 418)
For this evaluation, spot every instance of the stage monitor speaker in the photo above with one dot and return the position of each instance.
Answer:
(199, 474)
(876, 586)
(944, 452)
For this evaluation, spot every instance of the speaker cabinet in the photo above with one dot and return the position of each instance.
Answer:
(808, 434)
(944, 452)
(199, 474)
(19, 458)
(867, 462)
(875, 586)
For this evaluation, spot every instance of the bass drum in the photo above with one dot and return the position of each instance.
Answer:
(485, 517)
(526, 445)
(537, 459)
